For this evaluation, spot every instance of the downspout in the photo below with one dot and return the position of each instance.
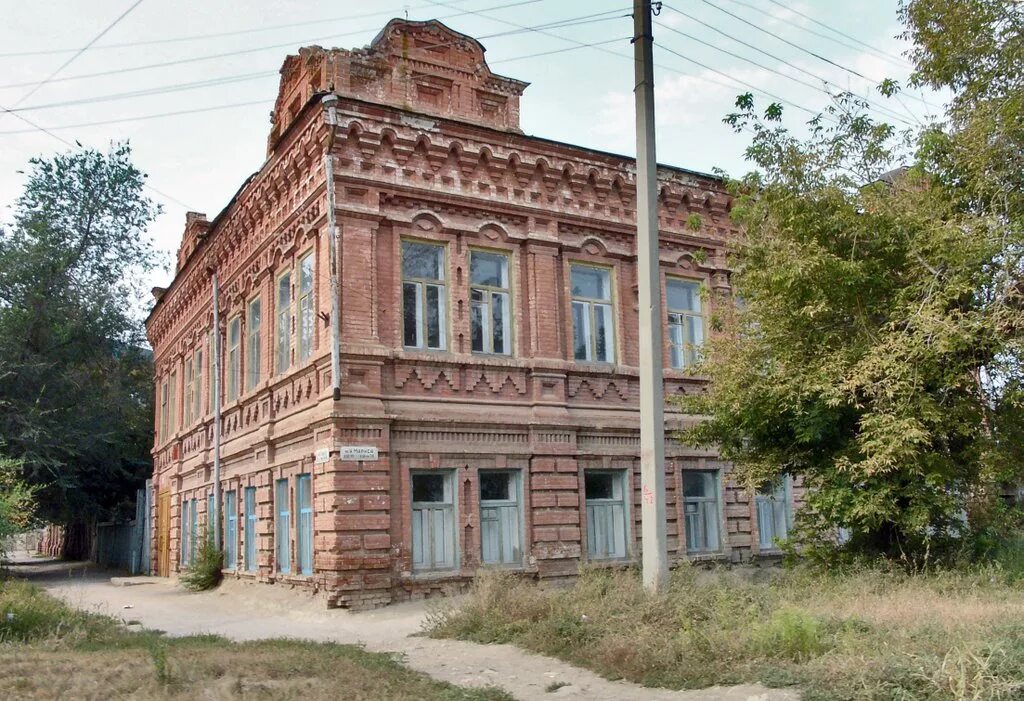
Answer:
(329, 101)
(215, 382)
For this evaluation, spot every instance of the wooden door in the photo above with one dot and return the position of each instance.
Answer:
(163, 533)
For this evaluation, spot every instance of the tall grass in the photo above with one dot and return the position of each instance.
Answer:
(867, 634)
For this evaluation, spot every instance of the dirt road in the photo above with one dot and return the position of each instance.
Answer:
(242, 611)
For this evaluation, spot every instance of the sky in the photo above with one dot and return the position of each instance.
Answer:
(209, 69)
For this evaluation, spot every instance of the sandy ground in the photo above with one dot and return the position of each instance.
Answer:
(244, 611)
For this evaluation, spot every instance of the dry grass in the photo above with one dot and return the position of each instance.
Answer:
(865, 635)
(48, 651)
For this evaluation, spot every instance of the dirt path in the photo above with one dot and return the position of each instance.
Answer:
(241, 611)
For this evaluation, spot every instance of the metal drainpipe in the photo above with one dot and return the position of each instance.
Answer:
(215, 381)
(329, 101)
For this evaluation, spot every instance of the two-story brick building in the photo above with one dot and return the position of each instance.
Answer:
(488, 387)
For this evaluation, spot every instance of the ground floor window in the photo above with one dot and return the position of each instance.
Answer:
(433, 521)
(210, 525)
(230, 530)
(606, 513)
(773, 514)
(185, 543)
(500, 518)
(250, 529)
(700, 505)
(304, 532)
(282, 531)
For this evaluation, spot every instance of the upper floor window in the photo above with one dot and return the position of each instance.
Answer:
(593, 326)
(172, 404)
(307, 311)
(163, 412)
(187, 393)
(423, 296)
(234, 354)
(282, 330)
(197, 383)
(685, 321)
(252, 347)
(490, 315)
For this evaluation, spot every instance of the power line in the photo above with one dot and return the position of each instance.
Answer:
(239, 52)
(215, 35)
(825, 81)
(177, 87)
(795, 45)
(892, 59)
(841, 33)
(64, 141)
(78, 53)
(270, 100)
(158, 115)
(480, 13)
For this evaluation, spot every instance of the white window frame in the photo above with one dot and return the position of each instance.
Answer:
(608, 536)
(234, 357)
(705, 514)
(189, 388)
(253, 351)
(283, 324)
(306, 306)
(172, 401)
(197, 383)
(684, 350)
(482, 300)
(591, 307)
(435, 536)
(421, 287)
(501, 522)
(163, 409)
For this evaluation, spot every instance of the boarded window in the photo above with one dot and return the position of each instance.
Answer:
(304, 532)
(282, 527)
(773, 514)
(230, 529)
(250, 529)
(606, 514)
(700, 505)
(433, 521)
(500, 518)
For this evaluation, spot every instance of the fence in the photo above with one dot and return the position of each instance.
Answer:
(126, 546)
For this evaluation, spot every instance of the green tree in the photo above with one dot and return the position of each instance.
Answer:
(17, 502)
(877, 349)
(75, 376)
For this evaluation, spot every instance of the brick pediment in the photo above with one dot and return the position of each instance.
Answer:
(424, 67)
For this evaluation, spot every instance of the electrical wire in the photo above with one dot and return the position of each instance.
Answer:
(78, 53)
(240, 52)
(902, 63)
(825, 81)
(217, 35)
(841, 33)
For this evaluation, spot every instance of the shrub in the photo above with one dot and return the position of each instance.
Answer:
(205, 573)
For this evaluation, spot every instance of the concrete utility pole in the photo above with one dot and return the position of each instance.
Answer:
(215, 388)
(652, 411)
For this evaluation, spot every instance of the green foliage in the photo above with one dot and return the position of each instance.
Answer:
(17, 501)
(874, 633)
(878, 353)
(75, 378)
(28, 615)
(207, 571)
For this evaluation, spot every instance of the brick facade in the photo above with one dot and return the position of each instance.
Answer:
(426, 146)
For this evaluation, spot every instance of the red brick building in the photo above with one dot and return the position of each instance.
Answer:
(488, 386)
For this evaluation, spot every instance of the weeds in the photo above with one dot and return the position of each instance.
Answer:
(207, 570)
(866, 634)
